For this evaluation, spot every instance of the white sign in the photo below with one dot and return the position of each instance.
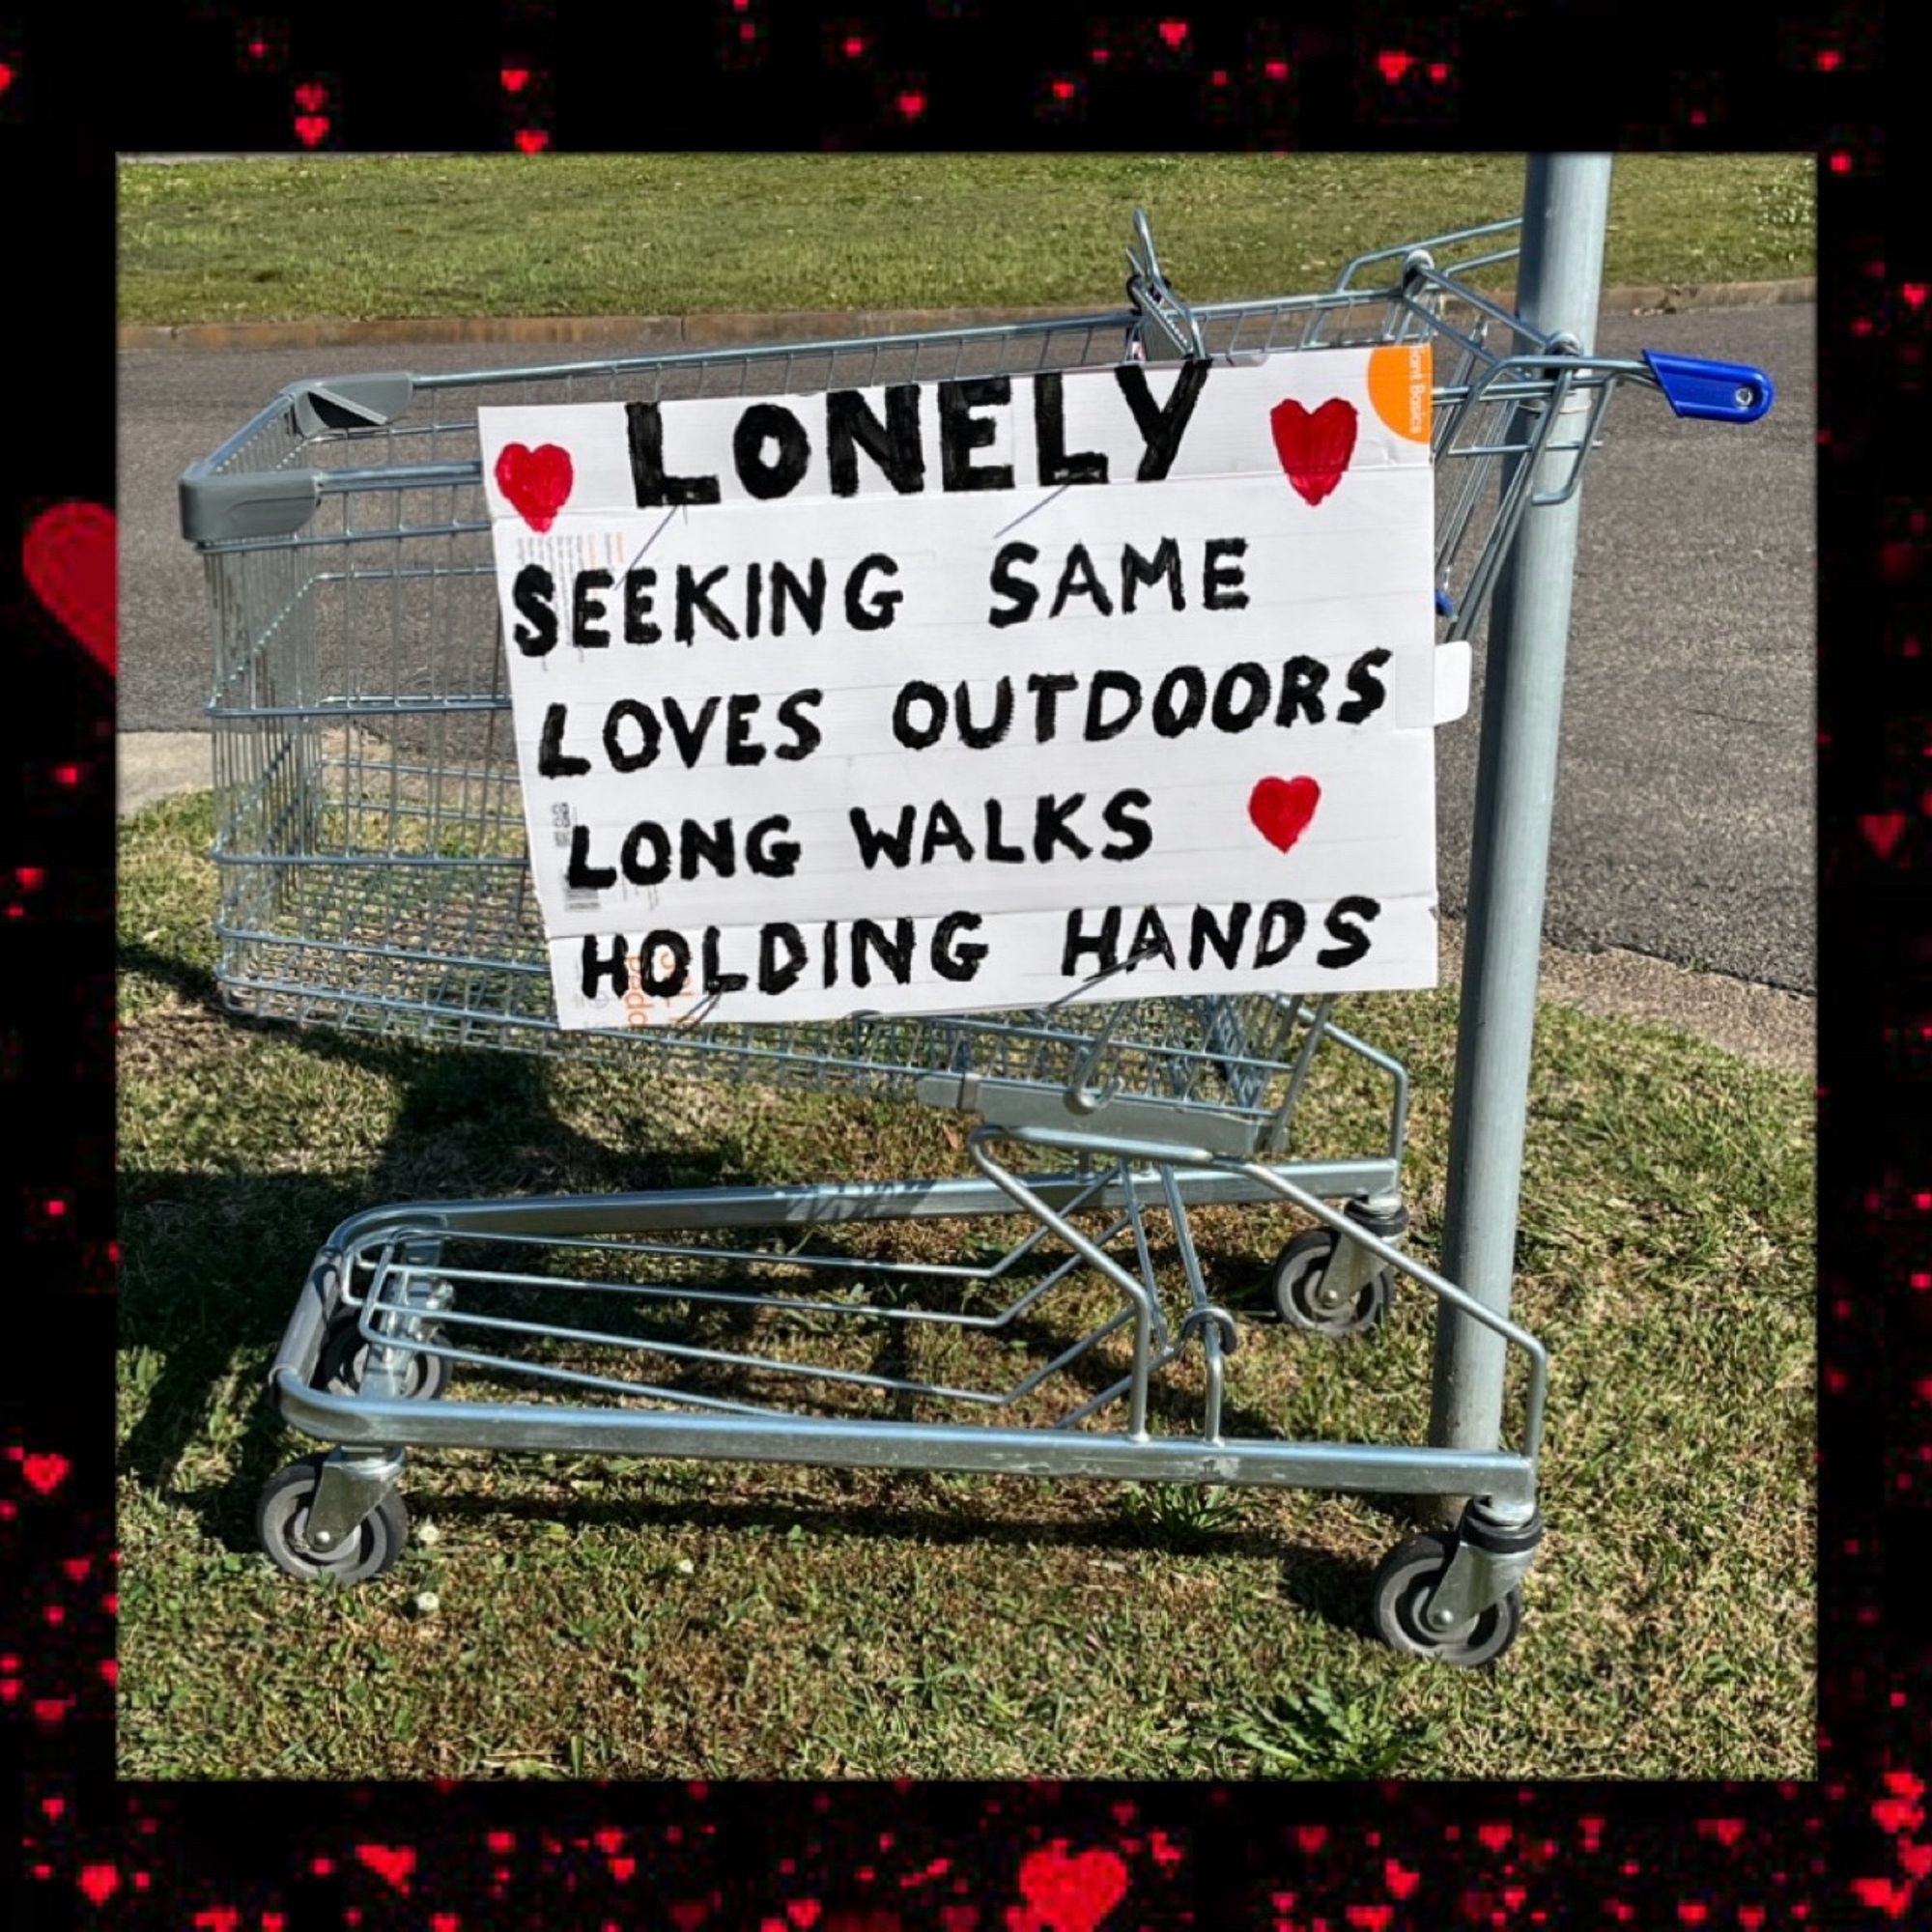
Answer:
(952, 695)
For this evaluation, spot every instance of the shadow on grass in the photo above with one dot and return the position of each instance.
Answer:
(215, 1261)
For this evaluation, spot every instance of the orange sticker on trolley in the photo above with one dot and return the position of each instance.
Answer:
(1401, 377)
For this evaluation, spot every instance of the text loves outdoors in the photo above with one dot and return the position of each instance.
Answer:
(976, 695)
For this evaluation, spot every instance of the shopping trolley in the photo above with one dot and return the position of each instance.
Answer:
(374, 879)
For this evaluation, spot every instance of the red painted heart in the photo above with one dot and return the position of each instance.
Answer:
(1314, 447)
(1281, 809)
(1066, 1894)
(67, 559)
(536, 483)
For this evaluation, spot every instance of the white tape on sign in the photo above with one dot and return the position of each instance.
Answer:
(948, 696)
(1453, 671)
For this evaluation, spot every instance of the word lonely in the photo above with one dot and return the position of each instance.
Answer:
(980, 695)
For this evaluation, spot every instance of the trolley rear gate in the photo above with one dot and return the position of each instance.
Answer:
(376, 878)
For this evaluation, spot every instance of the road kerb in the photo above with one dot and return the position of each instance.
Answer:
(649, 334)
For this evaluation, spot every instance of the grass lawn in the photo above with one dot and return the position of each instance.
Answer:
(673, 235)
(640, 1620)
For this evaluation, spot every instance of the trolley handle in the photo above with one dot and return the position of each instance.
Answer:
(1711, 391)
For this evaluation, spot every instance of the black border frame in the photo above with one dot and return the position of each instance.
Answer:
(1838, 1851)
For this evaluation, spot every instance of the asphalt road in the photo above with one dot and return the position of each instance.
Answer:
(1684, 822)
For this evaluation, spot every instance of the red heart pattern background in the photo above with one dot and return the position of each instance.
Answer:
(68, 558)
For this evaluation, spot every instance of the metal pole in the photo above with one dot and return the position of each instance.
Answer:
(1565, 205)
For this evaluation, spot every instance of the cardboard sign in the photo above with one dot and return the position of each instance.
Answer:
(962, 695)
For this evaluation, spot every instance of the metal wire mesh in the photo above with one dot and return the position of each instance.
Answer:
(369, 827)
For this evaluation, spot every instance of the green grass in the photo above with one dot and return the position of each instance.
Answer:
(675, 235)
(630, 1619)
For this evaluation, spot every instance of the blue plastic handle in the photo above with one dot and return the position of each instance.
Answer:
(1732, 392)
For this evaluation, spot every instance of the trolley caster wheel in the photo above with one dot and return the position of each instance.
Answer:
(1402, 1582)
(345, 1361)
(1298, 1270)
(281, 1522)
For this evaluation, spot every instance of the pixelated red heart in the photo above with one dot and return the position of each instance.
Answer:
(1750, 1917)
(99, 1881)
(1400, 1879)
(1916, 1858)
(67, 559)
(1310, 1837)
(1281, 809)
(1896, 1814)
(311, 130)
(47, 1473)
(515, 79)
(1496, 1837)
(1314, 447)
(803, 1913)
(1883, 1895)
(393, 1862)
(1882, 830)
(1072, 1894)
(536, 483)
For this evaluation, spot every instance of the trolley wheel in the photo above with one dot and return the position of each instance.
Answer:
(1298, 1278)
(282, 1522)
(1402, 1581)
(345, 1359)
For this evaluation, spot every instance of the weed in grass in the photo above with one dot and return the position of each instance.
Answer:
(1320, 1732)
(1183, 1513)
